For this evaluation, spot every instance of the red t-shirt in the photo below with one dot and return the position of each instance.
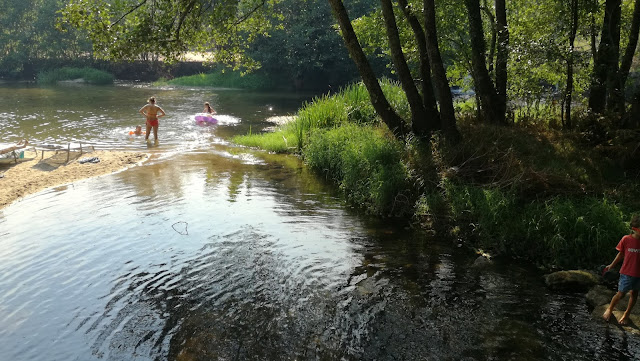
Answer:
(630, 248)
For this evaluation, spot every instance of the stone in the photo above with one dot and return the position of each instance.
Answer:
(571, 281)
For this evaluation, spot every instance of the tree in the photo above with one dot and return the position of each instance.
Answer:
(492, 98)
(425, 41)
(447, 113)
(378, 100)
(420, 124)
(605, 67)
(29, 35)
(126, 29)
(568, 94)
(304, 49)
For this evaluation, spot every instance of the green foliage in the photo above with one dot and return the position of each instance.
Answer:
(226, 79)
(304, 51)
(367, 165)
(90, 75)
(29, 34)
(563, 231)
(129, 29)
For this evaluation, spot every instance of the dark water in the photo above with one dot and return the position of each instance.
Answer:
(216, 252)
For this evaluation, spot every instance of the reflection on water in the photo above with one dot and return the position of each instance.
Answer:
(216, 252)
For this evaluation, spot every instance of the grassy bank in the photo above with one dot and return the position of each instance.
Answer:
(226, 79)
(555, 198)
(88, 75)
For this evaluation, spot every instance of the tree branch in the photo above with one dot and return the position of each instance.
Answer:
(250, 13)
(183, 16)
(129, 12)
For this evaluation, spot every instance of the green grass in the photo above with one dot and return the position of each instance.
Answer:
(227, 79)
(562, 231)
(90, 75)
(350, 105)
(366, 163)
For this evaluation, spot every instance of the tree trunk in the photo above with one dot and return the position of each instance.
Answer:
(502, 56)
(568, 95)
(593, 31)
(378, 100)
(634, 116)
(419, 122)
(633, 43)
(615, 95)
(428, 96)
(494, 34)
(603, 59)
(627, 58)
(489, 102)
(447, 114)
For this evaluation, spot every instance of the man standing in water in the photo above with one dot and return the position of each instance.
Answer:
(152, 112)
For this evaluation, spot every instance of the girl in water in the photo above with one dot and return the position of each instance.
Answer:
(152, 112)
(208, 109)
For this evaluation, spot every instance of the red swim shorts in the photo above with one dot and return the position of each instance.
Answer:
(152, 122)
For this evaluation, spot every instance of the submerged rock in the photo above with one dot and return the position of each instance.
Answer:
(572, 281)
(599, 295)
(482, 261)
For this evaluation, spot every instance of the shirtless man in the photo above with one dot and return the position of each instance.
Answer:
(152, 112)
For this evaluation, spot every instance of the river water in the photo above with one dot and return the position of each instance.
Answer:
(211, 251)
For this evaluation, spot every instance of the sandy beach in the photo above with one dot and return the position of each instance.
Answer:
(31, 176)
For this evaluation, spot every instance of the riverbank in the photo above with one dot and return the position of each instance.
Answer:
(561, 199)
(42, 172)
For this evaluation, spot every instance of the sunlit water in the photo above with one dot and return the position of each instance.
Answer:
(215, 252)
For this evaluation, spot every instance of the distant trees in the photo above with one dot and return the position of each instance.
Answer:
(304, 49)
(29, 34)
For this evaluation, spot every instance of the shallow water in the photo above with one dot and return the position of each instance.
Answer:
(211, 251)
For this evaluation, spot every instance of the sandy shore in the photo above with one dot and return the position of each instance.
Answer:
(32, 176)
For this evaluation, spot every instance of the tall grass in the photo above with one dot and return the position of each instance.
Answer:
(227, 79)
(89, 75)
(350, 105)
(366, 163)
(562, 231)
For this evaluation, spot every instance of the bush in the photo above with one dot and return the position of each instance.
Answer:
(89, 75)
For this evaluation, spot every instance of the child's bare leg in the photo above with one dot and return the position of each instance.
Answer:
(633, 296)
(155, 133)
(612, 305)
(146, 135)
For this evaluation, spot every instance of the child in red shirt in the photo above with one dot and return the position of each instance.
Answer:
(629, 250)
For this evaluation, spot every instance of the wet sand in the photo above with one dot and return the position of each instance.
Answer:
(31, 176)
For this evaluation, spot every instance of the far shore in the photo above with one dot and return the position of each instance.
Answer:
(34, 175)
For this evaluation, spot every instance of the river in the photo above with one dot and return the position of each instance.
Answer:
(211, 251)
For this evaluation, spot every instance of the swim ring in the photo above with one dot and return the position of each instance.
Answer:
(205, 118)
